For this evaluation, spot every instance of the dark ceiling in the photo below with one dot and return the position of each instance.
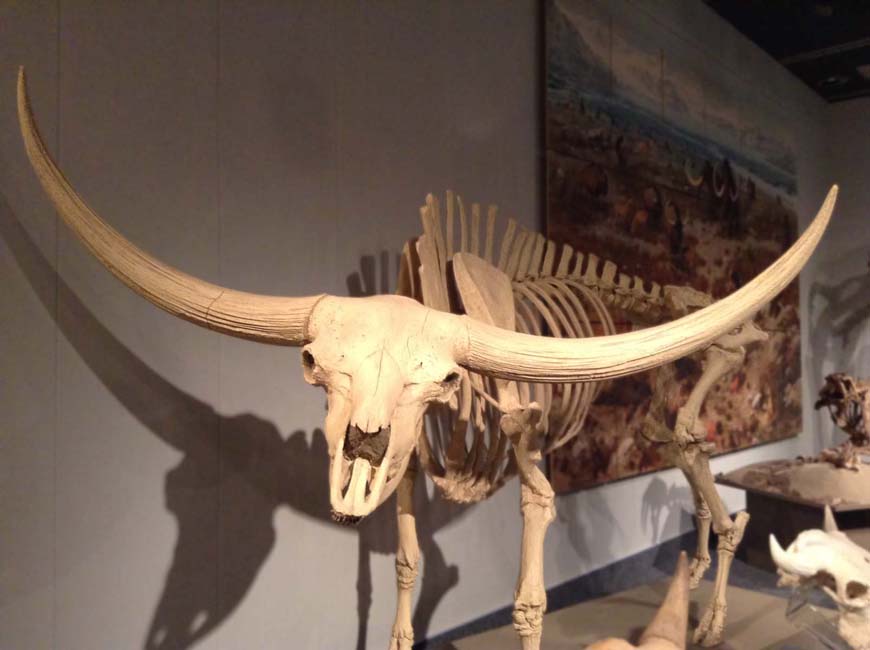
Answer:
(826, 44)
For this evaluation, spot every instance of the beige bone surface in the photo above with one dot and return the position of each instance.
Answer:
(497, 361)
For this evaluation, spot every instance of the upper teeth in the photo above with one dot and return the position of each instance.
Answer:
(356, 486)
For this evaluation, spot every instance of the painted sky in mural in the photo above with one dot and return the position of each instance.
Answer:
(663, 86)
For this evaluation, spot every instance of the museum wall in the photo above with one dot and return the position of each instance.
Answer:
(840, 305)
(162, 486)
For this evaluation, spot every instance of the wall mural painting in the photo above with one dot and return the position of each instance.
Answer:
(670, 166)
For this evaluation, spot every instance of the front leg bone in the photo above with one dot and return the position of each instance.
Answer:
(712, 625)
(692, 455)
(407, 561)
(702, 561)
(536, 505)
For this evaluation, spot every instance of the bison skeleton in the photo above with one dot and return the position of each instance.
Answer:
(463, 339)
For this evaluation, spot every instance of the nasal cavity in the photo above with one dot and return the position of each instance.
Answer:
(370, 446)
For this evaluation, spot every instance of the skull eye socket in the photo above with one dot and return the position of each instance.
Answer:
(825, 579)
(307, 359)
(855, 590)
(451, 378)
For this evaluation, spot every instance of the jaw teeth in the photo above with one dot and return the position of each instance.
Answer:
(345, 474)
(356, 486)
(345, 520)
(356, 491)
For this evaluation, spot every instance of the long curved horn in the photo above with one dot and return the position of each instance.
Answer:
(511, 355)
(670, 622)
(268, 319)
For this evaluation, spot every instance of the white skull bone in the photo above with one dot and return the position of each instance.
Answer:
(382, 361)
(831, 561)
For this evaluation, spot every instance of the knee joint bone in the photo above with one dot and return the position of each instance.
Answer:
(529, 618)
(406, 572)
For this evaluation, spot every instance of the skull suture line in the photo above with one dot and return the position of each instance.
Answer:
(383, 359)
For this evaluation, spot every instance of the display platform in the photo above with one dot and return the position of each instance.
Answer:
(814, 483)
(756, 621)
(784, 498)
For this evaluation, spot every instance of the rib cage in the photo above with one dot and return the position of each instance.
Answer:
(465, 451)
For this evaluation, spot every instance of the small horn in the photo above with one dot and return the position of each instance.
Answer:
(671, 620)
(792, 563)
(268, 319)
(523, 357)
(830, 522)
(777, 552)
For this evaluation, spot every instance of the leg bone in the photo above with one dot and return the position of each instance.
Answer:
(530, 599)
(692, 455)
(407, 561)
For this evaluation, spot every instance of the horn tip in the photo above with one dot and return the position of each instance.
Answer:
(23, 99)
(682, 562)
(669, 623)
(830, 522)
(774, 543)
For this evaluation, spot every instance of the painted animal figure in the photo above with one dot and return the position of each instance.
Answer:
(718, 178)
(463, 348)
(723, 190)
(577, 182)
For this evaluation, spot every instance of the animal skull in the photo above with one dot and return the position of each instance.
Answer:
(383, 359)
(828, 559)
(848, 401)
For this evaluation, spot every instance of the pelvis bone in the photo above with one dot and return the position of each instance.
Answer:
(382, 360)
(829, 560)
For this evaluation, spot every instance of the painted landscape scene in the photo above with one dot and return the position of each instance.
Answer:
(676, 174)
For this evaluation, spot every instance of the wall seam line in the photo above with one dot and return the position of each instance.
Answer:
(219, 194)
(56, 334)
